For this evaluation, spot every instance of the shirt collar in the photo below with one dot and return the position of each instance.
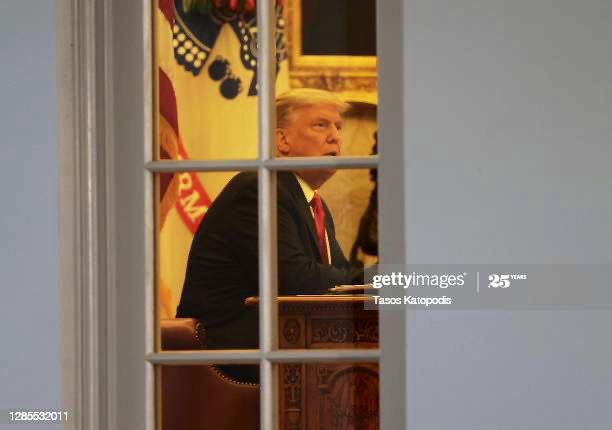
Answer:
(308, 192)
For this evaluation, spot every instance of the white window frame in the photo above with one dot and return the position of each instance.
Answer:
(105, 78)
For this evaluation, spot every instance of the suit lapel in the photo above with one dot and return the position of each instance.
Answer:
(336, 254)
(292, 184)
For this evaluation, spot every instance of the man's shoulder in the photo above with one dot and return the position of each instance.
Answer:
(247, 182)
(242, 182)
(243, 179)
(241, 185)
(286, 180)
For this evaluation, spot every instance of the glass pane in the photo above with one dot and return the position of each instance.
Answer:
(329, 396)
(336, 27)
(327, 234)
(205, 70)
(315, 123)
(325, 255)
(358, 129)
(332, 47)
(203, 398)
(352, 198)
(207, 259)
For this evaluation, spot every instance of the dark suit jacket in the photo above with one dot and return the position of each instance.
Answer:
(222, 269)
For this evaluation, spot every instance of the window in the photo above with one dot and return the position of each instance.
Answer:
(115, 245)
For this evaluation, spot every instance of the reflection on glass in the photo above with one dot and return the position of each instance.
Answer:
(205, 68)
(201, 397)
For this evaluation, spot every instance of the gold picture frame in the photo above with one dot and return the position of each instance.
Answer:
(352, 77)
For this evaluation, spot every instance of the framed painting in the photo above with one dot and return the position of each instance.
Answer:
(332, 46)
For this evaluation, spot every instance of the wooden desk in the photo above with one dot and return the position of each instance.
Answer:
(327, 395)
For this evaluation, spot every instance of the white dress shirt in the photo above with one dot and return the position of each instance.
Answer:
(309, 194)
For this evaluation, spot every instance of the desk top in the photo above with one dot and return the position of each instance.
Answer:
(321, 303)
(311, 299)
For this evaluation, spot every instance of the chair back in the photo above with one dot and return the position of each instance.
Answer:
(201, 397)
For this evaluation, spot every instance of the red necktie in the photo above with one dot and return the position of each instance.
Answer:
(319, 219)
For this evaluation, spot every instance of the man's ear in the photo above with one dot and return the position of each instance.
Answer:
(281, 142)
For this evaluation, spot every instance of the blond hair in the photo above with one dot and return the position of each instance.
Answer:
(296, 98)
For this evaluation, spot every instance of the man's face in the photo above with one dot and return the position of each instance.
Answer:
(312, 131)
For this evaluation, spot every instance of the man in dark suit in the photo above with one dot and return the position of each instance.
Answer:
(222, 269)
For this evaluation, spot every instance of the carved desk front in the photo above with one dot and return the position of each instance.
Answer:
(339, 396)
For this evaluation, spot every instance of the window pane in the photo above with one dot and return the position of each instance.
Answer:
(336, 27)
(324, 259)
(207, 258)
(332, 46)
(352, 198)
(205, 70)
(331, 127)
(329, 396)
(349, 229)
(202, 397)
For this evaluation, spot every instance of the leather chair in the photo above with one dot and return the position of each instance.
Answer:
(201, 397)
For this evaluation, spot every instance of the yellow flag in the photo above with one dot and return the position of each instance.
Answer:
(207, 99)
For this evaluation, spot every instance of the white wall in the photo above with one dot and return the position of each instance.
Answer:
(29, 308)
(510, 150)
(509, 107)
